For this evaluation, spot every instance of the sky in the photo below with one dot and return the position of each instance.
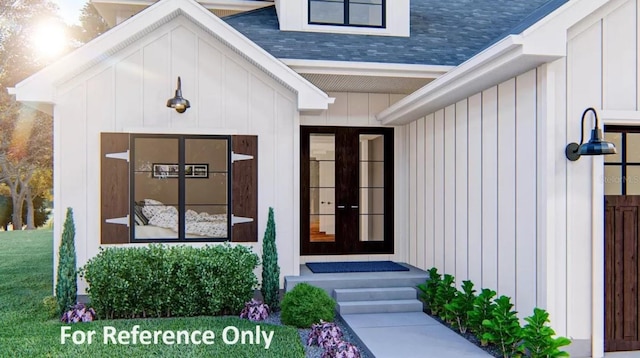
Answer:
(70, 9)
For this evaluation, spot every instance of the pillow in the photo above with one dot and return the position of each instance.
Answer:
(152, 207)
(139, 215)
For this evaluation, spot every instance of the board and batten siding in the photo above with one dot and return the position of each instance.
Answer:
(358, 109)
(472, 199)
(601, 72)
(127, 92)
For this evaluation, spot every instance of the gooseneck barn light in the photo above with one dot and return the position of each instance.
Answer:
(595, 146)
(177, 102)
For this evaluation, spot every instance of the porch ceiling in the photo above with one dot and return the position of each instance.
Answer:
(369, 84)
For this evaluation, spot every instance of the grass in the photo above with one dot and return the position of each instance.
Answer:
(25, 330)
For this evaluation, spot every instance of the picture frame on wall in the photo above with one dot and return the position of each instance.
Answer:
(167, 170)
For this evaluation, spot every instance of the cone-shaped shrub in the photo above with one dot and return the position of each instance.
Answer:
(66, 283)
(270, 269)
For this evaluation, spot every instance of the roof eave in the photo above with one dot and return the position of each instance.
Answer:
(543, 42)
(41, 86)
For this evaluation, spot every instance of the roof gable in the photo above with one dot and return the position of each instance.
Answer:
(41, 87)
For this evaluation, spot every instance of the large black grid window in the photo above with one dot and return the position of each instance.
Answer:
(180, 188)
(364, 13)
(622, 170)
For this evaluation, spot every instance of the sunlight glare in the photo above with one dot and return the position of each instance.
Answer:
(49, 39)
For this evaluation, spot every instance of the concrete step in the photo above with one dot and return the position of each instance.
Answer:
(332, 281)
(374, 294)
(382, 306)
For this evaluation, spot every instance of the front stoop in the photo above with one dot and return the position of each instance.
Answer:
(376, 300)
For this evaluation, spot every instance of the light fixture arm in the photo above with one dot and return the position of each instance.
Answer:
(584, 115)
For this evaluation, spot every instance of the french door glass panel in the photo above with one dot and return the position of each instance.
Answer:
(322, 193)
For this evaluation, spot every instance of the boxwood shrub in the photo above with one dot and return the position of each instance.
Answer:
(166, 281)
(305, 305)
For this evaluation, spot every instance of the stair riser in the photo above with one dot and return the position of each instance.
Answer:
(378, 308)
(332, 284)
(373, 295)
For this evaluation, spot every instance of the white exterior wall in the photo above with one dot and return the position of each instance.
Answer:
(493, 197)
(473, 202)
(128, 92)
(359, 110)
(602, 72)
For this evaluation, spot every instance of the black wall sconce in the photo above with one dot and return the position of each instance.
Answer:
(595, 146)
(177, 102)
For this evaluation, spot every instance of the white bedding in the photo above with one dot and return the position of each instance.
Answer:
(156, 232)
(196, 224)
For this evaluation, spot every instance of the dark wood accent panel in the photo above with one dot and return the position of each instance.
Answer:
(621, 273)
(244, 188)
(114, 188)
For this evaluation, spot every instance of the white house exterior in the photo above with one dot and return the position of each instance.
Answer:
(481, 185)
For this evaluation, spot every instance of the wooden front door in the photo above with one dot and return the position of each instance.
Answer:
(621, 272)
(346, 204)
(622, 250)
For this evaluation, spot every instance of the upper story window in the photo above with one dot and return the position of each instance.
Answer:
(367, 13)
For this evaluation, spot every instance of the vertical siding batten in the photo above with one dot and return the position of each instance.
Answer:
(420, 197)
(412, 189)
(526, 194)
(489, 188)
(474, 188)
(506, 182)
(430, 237)
(461, 204)
(450, 189)
(439, 199)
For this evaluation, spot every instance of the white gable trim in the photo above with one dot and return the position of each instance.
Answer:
(542, 42)
(41, 87)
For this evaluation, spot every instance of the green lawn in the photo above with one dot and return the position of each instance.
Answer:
(25, 330)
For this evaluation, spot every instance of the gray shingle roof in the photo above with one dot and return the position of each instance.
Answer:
(443, 32)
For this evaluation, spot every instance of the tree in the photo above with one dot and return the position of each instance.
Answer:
(91, 26)
(66, 282)
(25, 134)
(270, 269)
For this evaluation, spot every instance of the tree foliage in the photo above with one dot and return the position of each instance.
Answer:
(270, 269)
(66, 283)
(91, 26)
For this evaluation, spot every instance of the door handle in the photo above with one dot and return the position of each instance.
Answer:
(340, 206)
(354, 206)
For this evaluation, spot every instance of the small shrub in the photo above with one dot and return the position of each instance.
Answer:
(445, 293)
(342, 350)
(325, 335)
(306, 305)
(66, 281)
(537, 337)
(503, 328)
(460, 306)
(429, 288)
(270, 269)
(78, 313)
(255, 311)
(50, 304)
(483, 307)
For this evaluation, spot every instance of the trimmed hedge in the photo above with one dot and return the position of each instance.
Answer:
(166, 281)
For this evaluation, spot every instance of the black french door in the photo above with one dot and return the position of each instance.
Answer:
(346, 204)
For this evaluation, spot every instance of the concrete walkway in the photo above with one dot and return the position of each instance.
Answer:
(411, 334)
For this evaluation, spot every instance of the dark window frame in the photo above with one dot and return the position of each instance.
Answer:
(181, 188)
(345, 21)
